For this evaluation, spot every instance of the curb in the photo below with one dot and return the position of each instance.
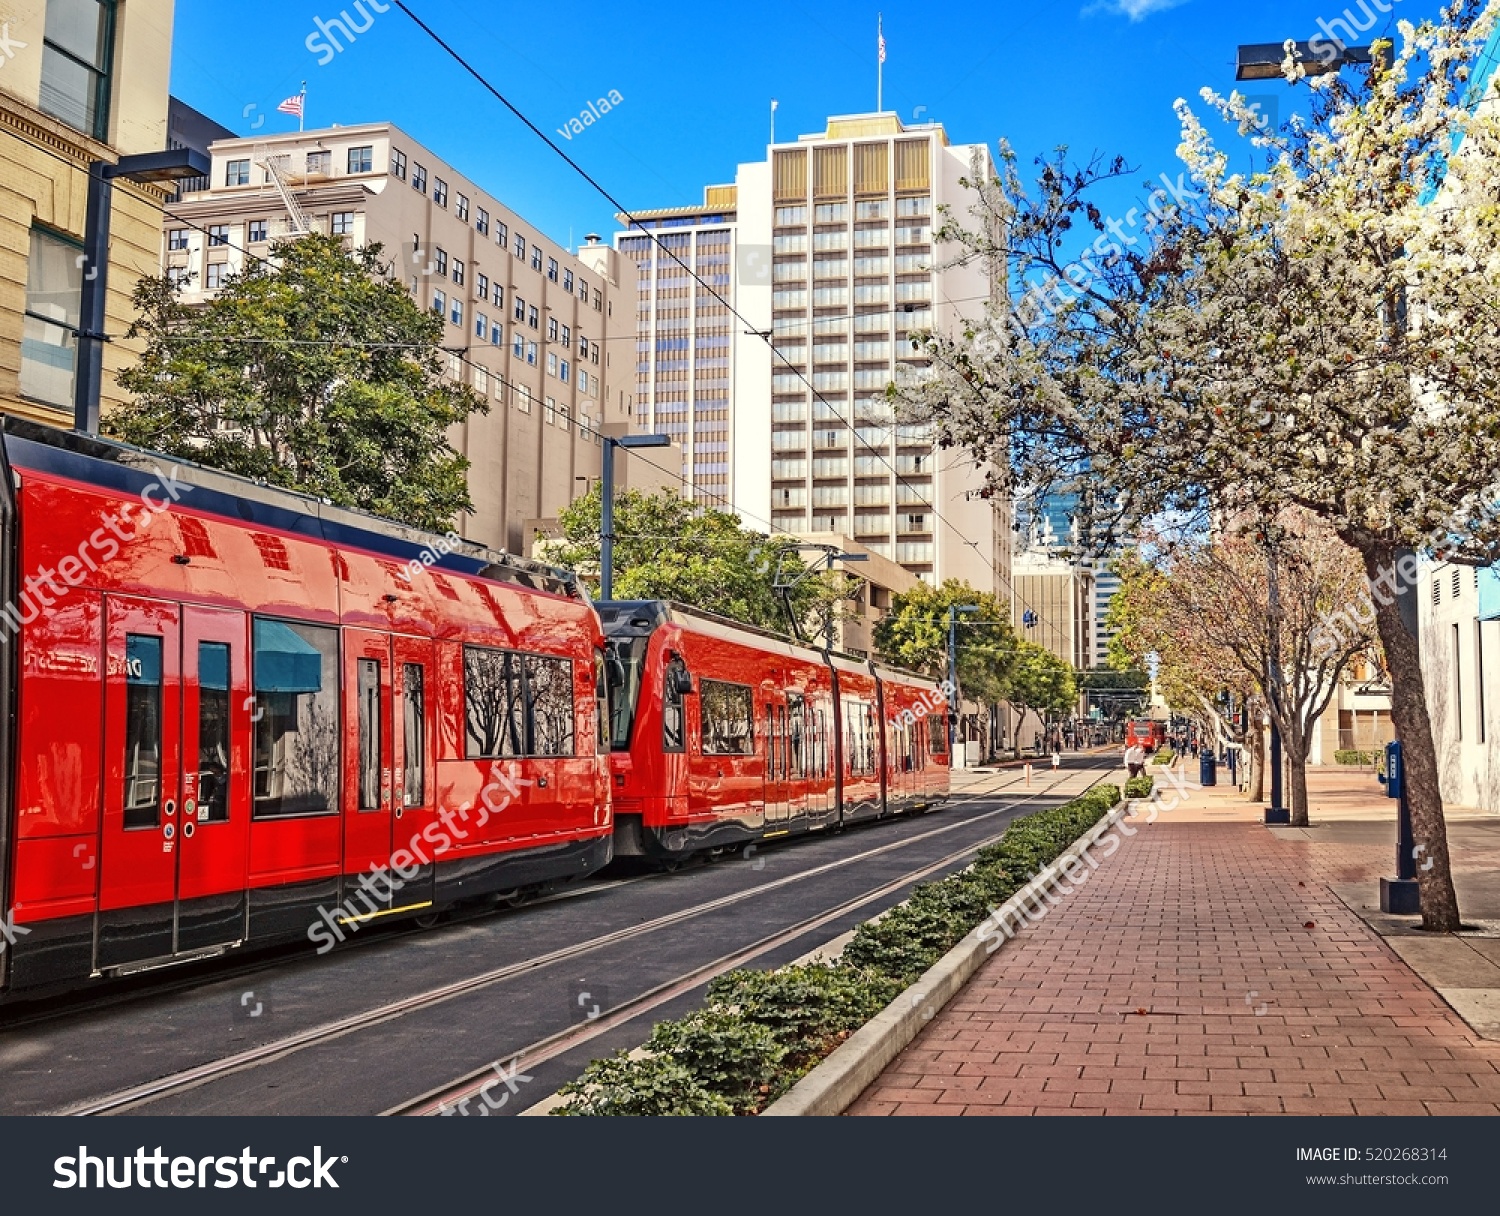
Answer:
(832, 1087)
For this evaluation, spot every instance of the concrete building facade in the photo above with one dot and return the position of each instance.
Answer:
(829, 241)
(538, 332)
(83, 81)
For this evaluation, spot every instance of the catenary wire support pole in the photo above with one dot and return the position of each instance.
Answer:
(607, 506)
(955, 698)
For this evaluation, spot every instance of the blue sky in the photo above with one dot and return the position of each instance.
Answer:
(697, 82)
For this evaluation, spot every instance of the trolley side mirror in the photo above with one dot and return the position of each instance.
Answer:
(681, 680)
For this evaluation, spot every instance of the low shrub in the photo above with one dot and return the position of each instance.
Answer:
(763, 1030)
(1139, 787)
(1164, 755)
(1349, 756)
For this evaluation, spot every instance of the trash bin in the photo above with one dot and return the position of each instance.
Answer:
(1207, 769)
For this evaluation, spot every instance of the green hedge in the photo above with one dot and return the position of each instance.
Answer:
(1349, 756)
(1164, 755)
(762, 1031)
(1139, 787)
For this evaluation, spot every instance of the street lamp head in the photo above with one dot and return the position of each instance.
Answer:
(174, 164)
(1263, 60)
(642, 441)
(850, 557)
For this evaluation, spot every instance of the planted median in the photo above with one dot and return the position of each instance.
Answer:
(762, 1031)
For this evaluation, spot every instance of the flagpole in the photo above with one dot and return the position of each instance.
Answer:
(302, 114)
(880, 63)
(773, 120)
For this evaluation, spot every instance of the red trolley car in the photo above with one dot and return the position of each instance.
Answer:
(1149, 734)
(723, 735)
(236, 715)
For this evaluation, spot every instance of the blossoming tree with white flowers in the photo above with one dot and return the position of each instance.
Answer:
(1321, 332)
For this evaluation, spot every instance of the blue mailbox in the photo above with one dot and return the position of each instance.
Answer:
(1394, 778)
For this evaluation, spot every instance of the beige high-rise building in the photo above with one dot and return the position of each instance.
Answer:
(542, 334)
(824, 248)
(80, 81)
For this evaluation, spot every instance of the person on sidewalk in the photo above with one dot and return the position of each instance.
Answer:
(1056, 760)
(1135, 759)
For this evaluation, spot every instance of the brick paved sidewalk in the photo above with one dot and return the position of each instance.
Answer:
(1182, 978)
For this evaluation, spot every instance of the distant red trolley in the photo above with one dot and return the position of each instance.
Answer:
(724, 735)
(1146, 732)
(227, 706)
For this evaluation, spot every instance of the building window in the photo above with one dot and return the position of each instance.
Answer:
(482, 222)
(567, 336)
(481, 286)
(583, 291)
(518, 346)
(440, 192)
(320, 163)
(536, 257)
(237, 173)
(531, 353)
(77, 56)
(562, 418)
(259, 230)
(177, 239)
(501, 234)
(531, 316)
(523, 399)
(215, 272)
(419, 178)
(497, 334)
(461, 207)
(54, 287)
(439, 302)
(520, 309)
(440, 260)
(343, 223)
(563, 371)
(551, 329)
(520, 246)
(362, 159)
(456, 312)
(549, 412)
(551, 364)
(598, 301)
(218, 234)
(177, 276)
(552, 269)
(458, 272)
(583, 381)
(481, 324)
(499, 296)
(568, 281)
(398, 164)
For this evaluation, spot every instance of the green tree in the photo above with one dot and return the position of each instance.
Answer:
(668, 548)
(914, 635)
(316, 371)
(1041, 682)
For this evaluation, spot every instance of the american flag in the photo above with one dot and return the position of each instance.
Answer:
(293, 104)
(882, 45)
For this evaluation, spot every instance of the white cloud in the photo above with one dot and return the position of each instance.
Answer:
(1136, 10)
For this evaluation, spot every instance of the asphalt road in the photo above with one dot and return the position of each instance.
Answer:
(522, 976)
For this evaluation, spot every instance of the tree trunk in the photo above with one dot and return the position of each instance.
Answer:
(1298, 766)
(1257, 753)
(1413, 725)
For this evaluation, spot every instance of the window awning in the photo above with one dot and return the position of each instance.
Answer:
(285, 661)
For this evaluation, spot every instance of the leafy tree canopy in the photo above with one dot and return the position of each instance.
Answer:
(315, 371)
(914, 635)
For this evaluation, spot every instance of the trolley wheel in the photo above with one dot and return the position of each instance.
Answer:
(428, 920)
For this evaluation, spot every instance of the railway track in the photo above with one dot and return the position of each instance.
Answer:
(552, 1046)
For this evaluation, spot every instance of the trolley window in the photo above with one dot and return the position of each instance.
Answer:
(517, 705)
(213, 732)
(549, 705)
(368, 675)
(143, 747)
(626, 667)
(728, 718)
(414, 733)
(673, 730)
(296, 685)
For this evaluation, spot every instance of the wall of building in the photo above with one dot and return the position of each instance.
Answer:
(1459, 655)
(43, 183)
(539, 445)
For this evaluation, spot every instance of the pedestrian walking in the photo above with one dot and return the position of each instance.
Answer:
(1135, 759)
(1056, 760)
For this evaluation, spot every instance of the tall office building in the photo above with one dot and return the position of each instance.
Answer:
(538, 332)
(829, 242)
(684, 333)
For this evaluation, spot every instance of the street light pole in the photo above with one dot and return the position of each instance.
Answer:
(1276, 813)
(607, 507)
(173, 165)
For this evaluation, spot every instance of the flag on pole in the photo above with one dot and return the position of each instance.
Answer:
(881, 32)
(293, 104)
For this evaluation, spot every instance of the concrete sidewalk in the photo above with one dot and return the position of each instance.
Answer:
(1214, 966)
